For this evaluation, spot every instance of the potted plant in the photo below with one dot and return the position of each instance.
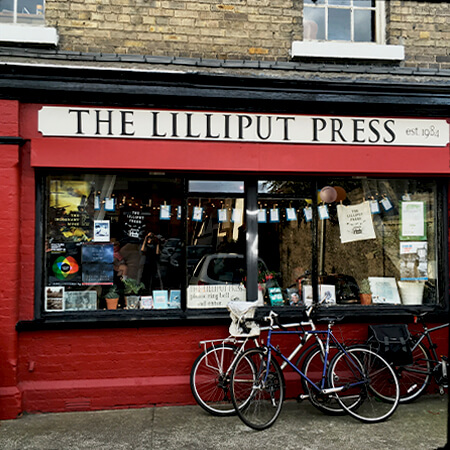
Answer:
(365, 293)
(112, 297)
(132, 288)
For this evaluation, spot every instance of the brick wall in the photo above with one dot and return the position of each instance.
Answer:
(423, 28)
(10, 400)
(230, 29)
(207, 28)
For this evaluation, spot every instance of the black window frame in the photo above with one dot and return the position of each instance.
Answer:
(97, 319)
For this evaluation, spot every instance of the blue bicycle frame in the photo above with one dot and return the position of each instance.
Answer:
(329, 338)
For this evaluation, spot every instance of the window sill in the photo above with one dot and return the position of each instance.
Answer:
(28, 34)
(347, 50)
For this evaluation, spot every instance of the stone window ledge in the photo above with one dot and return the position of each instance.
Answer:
(347, 50)
(28, 34)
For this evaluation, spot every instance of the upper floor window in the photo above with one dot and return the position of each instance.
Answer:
(23, 22)
(27, 12)
(340, 20)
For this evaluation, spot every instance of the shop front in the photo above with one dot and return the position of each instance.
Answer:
(140, 225)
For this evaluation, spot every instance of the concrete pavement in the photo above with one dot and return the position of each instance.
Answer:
(419, 425)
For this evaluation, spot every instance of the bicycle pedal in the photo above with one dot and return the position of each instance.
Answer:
(441, 390)
(301, 397)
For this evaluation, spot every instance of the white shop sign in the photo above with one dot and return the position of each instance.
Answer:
(214, 296)
(240, 127)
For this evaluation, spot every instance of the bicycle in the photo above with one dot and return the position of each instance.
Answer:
(355, 377)
(211, 371)
(426, 365)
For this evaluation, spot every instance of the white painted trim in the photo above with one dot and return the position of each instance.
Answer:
(28, 34)
(352, 50)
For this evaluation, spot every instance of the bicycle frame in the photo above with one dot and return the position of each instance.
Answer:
(243, 343)
(427, 333)
(329, 337)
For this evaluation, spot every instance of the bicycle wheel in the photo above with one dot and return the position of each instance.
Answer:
(210, 379)
(414, 378)
(360, 372)
(257, 395)
(313, 369)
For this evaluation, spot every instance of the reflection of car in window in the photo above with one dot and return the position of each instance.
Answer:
(194, 254)
(222, 268)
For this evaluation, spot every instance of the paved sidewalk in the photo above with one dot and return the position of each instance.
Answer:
(419, 425)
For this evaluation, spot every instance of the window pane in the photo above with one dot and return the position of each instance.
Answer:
(313, 2)
(106, 231)
(364, 26)
(6, 11)
(285, 243)
(383, 237)
(30, 12)
(339, 2)
(314, 23)
(339, 25)
(364, 3)
(215, 253)
(236, 187)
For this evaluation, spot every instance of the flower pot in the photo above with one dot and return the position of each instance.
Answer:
(411, 292)
(111, 303)
(365, 299)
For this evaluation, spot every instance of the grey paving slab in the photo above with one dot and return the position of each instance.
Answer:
(419, 425)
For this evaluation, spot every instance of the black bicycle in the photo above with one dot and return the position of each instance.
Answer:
(426, 364)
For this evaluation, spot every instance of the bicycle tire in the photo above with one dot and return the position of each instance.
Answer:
(210, 379)
(360, 371)
(257, 399)
(313, 369)
(414, 378)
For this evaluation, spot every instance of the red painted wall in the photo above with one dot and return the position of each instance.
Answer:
(10, 401)
(133, 367)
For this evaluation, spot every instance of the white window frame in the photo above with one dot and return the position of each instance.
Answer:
(28, 34)
(353, 50)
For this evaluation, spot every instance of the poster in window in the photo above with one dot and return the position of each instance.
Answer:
(412, 221)
(308, 213)
(80, 300)
(101, 230)
(97, 262)
(71, 204)
(147, 302)
(355, 222)
(160, 299)
(197, 214)
(274, 215)
(262, 215)
(222, 215)
(414, 261)
(164, 212)
(276, 296)
(175, 299)
(323, 212)
(54, 298)
(110, 204)
(384, 290)
(64, 264)
(291, 214)
(134, 225)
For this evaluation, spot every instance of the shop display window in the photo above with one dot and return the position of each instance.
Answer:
(109, 240)
(216, 234)
(159, 242)
(360, 241)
